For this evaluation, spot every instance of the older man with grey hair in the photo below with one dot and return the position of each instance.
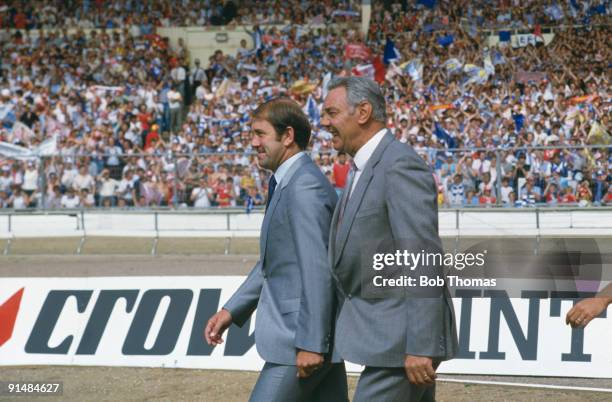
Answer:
(400, 335)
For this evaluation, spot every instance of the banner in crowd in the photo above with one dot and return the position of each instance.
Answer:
(524, 40)
(357, 51)
(529, 76)
(159, 322)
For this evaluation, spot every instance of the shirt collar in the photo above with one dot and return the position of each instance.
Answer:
(365, 152)
(284, 167)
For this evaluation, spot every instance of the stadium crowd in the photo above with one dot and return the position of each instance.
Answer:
(142, 16)
(138, 124)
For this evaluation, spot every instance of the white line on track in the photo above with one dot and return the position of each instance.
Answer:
(514, 384)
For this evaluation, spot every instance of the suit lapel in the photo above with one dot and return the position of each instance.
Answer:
(332, 231)
(355, 201)
(265, 226)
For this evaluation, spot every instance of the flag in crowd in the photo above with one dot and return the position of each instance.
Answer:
(446, 40)
(443, 135)
(474, 74)
(391, 53)
(364, 70)
(453, 66)
(357, 51)
(312, 110)
(414, 69)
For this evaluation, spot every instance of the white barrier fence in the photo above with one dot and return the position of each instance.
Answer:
(234, 223)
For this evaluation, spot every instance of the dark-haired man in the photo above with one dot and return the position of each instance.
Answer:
(290, 285)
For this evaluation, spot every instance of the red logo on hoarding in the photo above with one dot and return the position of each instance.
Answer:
(8, 315)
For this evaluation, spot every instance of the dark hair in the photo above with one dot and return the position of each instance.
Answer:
(282, 113)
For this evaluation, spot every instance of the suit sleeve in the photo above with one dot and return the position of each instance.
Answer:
(413, 217)
(242, 303)
(311, 209)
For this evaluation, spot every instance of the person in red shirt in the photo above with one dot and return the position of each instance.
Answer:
(152, 138)
(486, 198)
(340, 171)
(19, 20)
(584, 191)
(224, 198)
(144, 117)
(607, 199)
(568, 196)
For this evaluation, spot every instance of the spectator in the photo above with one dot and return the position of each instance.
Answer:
(585, 196)
(83, 180)
(486, 198)
(568, 196)
(201, 196)
(107, 190)
(18, 199)
(86, 198)
(70, 199)
(340, 172)
(456, 191)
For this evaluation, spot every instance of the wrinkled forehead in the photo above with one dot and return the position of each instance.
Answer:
(336, 98)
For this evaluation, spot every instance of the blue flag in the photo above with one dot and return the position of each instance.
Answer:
(504, 36)
(427, 3)
(445, 40)
(443, 135)
(313, 111)
(391, 53)
(600, 9)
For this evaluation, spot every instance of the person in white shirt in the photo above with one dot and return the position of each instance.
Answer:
(126, 194)
(107, 189)
(83, 180)
(6, 181)
(87, 198)
(70, 200)
(198, 76)
(201, 195)
(175, 101)
(19, 200)
(30, 179)
(68, 175)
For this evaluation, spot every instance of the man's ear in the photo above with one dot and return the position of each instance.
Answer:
(364, 112)
(288, 137)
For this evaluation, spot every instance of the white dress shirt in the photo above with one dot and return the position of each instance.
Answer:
(285, 166)
(363, 155)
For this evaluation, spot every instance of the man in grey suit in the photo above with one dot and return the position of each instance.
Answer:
(401, 335)
(291, 284)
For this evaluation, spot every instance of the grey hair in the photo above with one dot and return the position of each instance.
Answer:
(359, 89)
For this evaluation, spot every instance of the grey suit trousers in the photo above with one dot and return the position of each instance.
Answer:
(279, 383)
(389, 384)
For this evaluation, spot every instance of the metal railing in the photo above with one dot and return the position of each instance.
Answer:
(229, 224)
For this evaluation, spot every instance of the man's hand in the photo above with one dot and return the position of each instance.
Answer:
(215, 327)
(585, 310)
(307, 363)
(419, 370)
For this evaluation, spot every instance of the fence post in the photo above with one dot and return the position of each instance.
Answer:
(83, 238)
(457, 229)
(42, 181)
(537, 249)
(156, 238)
(498, 170)
(7, 247)
(175, 196)
(228, 239)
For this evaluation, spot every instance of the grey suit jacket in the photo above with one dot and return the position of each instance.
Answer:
(291, 285)
(394, 199)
